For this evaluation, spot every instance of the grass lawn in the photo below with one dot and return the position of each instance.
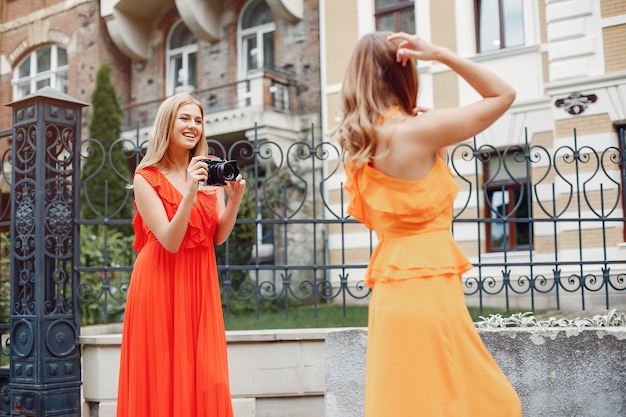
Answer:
(308, 317)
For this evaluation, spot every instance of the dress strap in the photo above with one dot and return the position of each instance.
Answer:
(390, 112)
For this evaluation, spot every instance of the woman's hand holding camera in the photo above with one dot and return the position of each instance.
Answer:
(196, 174)
(236, 189)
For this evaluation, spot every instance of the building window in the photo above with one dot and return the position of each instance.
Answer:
(256, 38)
(395, 16)
(181, 55)
(44, 67)
(499, 24)
(507, 201)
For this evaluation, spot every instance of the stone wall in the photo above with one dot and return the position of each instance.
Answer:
(557, 372)
(278, 373)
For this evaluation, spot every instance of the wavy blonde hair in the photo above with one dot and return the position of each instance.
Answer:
(156, 153)
(373, 83)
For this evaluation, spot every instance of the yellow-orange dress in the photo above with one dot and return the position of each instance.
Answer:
(424, 355)
(173, 356)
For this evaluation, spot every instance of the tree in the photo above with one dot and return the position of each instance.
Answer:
(105, 172)
(107, 243)
(5, 277)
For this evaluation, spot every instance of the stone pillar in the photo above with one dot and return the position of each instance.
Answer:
(45, 371)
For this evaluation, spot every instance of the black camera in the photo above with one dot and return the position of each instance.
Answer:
(220, 171)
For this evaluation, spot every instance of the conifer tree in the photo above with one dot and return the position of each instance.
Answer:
(104, 195)
(100, 181)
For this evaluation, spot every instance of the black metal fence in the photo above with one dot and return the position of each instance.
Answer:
(549, 224)
(5, 279)
(544, 228)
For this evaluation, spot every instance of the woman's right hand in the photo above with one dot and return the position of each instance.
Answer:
(414, 47)
(452, 125)
(197, 173)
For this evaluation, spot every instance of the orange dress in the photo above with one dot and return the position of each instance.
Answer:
(424, 355)
(173, 356)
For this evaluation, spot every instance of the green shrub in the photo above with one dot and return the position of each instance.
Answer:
(103, 291)
(5, 277)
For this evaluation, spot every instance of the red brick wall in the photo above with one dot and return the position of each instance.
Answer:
(78, 29)
(296, 48)
(82, 31)
(14, 9)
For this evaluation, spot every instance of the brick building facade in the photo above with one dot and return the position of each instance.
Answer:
(137, 40)
(75, 26)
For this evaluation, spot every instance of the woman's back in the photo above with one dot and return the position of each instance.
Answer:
(402, 149)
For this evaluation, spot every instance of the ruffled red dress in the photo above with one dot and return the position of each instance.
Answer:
(173, 355)
(424, 355)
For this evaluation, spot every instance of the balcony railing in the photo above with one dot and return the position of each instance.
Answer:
(265, 89)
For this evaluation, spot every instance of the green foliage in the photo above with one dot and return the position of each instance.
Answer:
(308, 316)
(240, 243)
(103, 291)
(100, 166)
(528, 319)
(240, 309)
(324, 316)
(5, 277)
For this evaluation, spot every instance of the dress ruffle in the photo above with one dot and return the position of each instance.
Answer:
(412, 219)
(356, 205)
(200, 228)
(418, 200)
(416, 256)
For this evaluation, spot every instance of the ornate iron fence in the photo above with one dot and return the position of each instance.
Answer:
(544, 228)
(5, 279)
(563, 223)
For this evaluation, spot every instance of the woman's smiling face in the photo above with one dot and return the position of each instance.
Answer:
(187, 129)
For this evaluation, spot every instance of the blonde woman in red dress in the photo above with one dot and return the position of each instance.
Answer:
(173, 356)
(424, 356)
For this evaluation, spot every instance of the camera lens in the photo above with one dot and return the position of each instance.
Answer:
(229, 172)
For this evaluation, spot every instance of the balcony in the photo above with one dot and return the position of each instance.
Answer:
(267, 98)
(130, 22)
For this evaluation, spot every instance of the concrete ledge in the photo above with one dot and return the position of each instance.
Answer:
(102, 352)
(272, 372)
(556, 371)
(276, 363)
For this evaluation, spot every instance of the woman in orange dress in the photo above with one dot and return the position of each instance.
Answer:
(424, 356)
(173, 356)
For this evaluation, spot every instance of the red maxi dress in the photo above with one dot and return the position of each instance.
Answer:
(173, 356)
(424, 355)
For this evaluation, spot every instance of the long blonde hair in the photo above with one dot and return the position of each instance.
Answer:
(156, 153)
(373, 83)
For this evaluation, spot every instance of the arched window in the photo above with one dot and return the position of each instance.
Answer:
(181, 58)
(43, 67)
(256, 37)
